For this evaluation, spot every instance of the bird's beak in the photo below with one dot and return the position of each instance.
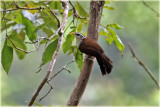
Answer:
(72, 33)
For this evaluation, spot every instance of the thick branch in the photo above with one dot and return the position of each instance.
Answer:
(51, 65)
(96, 8)
(144, 66)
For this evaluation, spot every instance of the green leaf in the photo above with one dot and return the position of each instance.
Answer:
(7, 57)
(109, 33)
(55, 5)
(81, 11)
(104, 33)
(48, 18)
(18, 40)
(107, 1)
(114, 37)
(72, 50)
(84, 34)
(30, 28)
(79, 59)
(39, 105)
(109, 8)
(114, 25)
(48, 53)
(20, 45)
(79, 28)
(30, 5)
(112, 33)
(3, 27)
(39, 27)
(19, 36)
(67, 44)
(119, 44)
(17, 16)
(47, 31)
(69, 12)
(109, 38)
(54, 38)
(72, 27)
(8, 5)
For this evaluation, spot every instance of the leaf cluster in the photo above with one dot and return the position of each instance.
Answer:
(28, 25)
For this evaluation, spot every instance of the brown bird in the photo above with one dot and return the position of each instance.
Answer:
(92, 48)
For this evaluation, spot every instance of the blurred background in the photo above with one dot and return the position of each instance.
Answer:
(128, 84)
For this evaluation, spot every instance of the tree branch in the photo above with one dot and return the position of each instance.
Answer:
(75, 12)
(64, 68)
(52, 62)
(38, 43)
(55, 16)
(18, 7)
(51, 87)
(145, 67)
(150, 8)
(96, 8)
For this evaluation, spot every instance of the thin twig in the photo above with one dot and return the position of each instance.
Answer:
(38, 43)
(51, 87)
(68, 26)
(52, 62)
(75, 12)
(54, 34)
(144, 66)
(63, 68)
(150, 8)
(15, 45)
(4, 12)
(18, 7)
(16, 4)
(54, 16)
(36, 40)
(58, 73)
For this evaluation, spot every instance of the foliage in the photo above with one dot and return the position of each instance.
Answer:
(29, 28)
(48, 53)
(7, 57)
(29, 24)
(112, 36)
(79, 59)
(126, 78)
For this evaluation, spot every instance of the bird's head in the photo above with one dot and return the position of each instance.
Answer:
(79, 37)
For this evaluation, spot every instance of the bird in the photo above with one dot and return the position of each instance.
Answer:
(92, 48)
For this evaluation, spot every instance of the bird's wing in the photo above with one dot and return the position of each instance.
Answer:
(91, 44)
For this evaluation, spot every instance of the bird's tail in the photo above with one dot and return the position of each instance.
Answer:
(105, 64)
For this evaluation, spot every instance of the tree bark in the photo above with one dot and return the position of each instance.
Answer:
(96, 8)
